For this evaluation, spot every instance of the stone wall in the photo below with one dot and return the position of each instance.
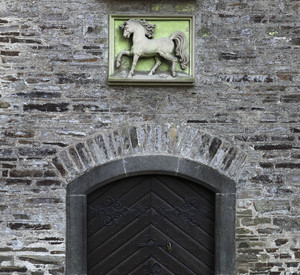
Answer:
(55, 102)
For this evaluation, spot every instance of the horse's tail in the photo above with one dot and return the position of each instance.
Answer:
(181, 45)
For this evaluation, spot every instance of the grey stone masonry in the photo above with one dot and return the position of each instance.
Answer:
(60, 119)
(149, 139)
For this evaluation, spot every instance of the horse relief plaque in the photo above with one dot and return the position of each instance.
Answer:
(151, 50)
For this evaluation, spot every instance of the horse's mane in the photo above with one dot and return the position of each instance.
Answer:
(148, 27)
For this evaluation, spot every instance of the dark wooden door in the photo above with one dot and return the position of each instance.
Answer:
(151, 224)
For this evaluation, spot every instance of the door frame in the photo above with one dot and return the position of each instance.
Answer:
(223, 187)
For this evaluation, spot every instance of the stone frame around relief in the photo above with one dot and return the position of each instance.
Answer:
(165, 26)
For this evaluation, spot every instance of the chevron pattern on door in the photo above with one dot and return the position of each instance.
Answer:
(151, 224)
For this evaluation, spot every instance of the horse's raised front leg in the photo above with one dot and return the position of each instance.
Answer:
(118, 63)
(135, 59)
(172, 58)
(157, 63)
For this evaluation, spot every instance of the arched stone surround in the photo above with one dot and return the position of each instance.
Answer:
(148, 149)
(180, 141)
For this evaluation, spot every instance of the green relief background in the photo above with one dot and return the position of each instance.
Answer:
(163, 29)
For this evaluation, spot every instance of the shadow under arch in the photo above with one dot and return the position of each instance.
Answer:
(223, 187)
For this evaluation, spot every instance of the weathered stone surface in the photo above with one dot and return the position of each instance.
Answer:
(59, 119)
(288, 224)
(10, 269)
(263, 206)
(255, 221)
(40, 259)
(22, 226)
(47, 107)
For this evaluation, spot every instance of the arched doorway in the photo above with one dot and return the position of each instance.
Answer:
(165, 238)
(151, 224)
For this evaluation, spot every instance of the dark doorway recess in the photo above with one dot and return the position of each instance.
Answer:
(151, 224)
(142, 215)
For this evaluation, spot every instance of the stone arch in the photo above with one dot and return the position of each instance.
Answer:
(77, 191)
(184, 142)
(182, 151)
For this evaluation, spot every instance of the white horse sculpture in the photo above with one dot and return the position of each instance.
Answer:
(144, 47)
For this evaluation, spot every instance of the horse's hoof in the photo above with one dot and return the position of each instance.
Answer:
(151, 73)
(118, 64)
(174, 74)
(129, 76)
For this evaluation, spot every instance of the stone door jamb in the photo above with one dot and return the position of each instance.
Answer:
(223, 187)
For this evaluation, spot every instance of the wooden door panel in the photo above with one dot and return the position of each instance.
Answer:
(143, 267)
(96, 236)
(171, 263)
(187, 242)
(176, 196)
(115, 262)
(125, 194)
(129, 264)
(180, 223)
(109, 209)
(176, 190)
(112, 244)
(151, 225)
(179, 253)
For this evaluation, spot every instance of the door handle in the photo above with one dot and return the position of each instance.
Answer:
(169, 247)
